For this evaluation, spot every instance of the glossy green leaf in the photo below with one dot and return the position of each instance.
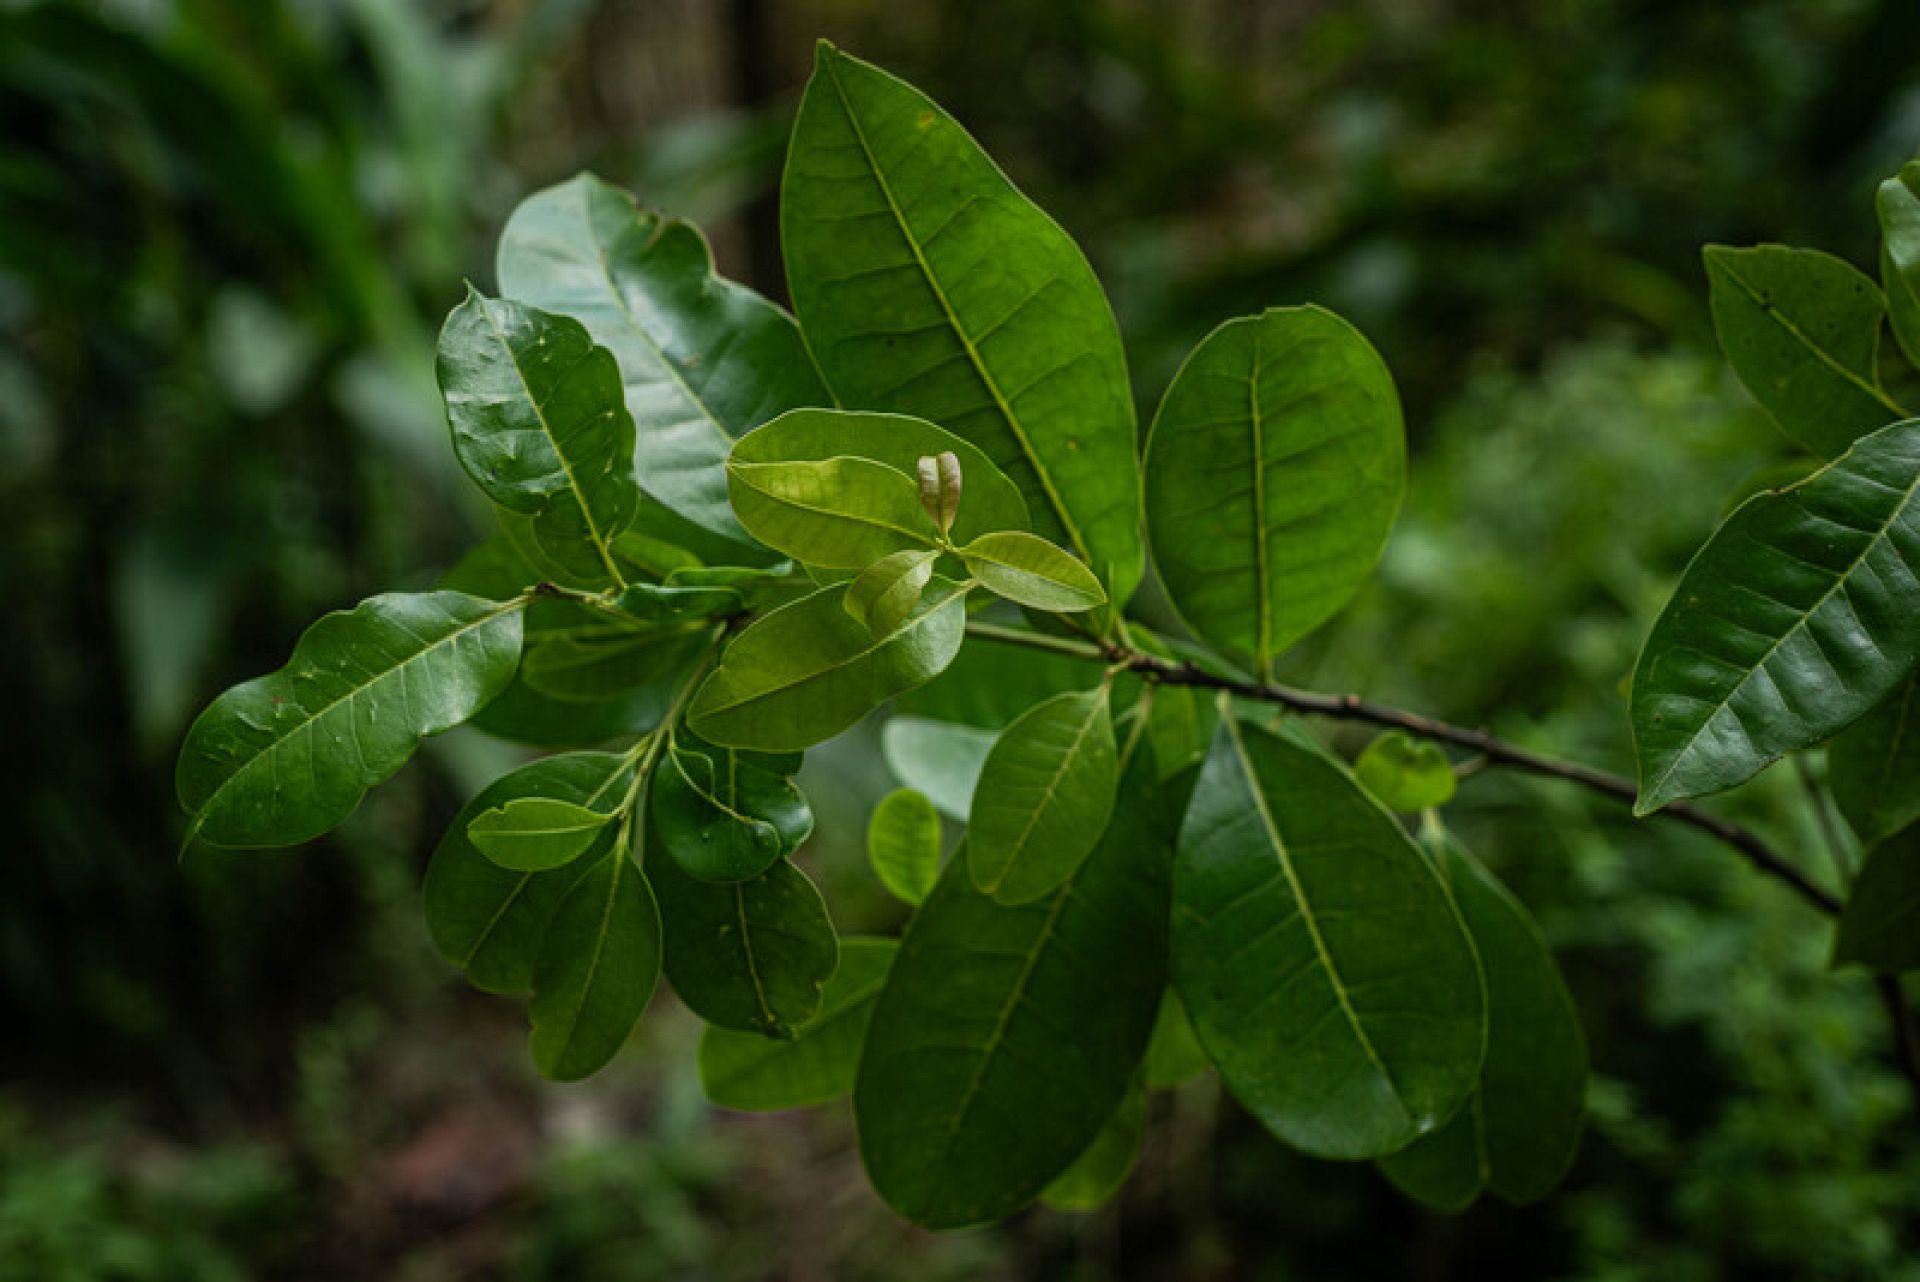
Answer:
(1404, 773)
(816, 1065)
(1275, 468)
(1044, 797)
(1898, 204)
(927, 284)
(533, 834)
(725, 815)
(1029, 571)
(748, 955)
(808, 670)
(595, 667)
(837, 513)
(597, 967)
(903, 844)
(540, 424)
(1518, 1133)
(1802, 330)
(1880, 925)
(701, 359)
(899, 442)
(1323, 963)
(940, 759)
(280, 759)
(1793, 621)
(487, 920)
(1006, 1036)
(1174, 1055)
(1873, 766)
(1097, 1174)
(884, 594)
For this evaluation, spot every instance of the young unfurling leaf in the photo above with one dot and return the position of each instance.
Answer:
(940, 482)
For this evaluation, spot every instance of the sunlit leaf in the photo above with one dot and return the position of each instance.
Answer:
(533, 834)
(1044, 797)
(903, 844)
(884, 594)
(1029, 571)
(1406, 774)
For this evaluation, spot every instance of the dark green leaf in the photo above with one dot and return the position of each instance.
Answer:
(1873, 766)
(1044, 797)
(282, 758)
(1898, 204)
(1097, 1174)
(598, 964)
(1793, 621)
(1802, 330)
(592, 668)
(927, 284)
(1880, 926)
(1029, 571)
(702, 359)
(1274, 470)
(677, 602)
(1325, 968)
(1406, 774)
(761, 1074)
(533, 834)
(903, 844)
(938, 758)
(724, 815)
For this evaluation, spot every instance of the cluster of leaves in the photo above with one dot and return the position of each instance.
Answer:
(1797, 625)
(728, 535)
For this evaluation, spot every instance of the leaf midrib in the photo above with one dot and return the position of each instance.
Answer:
(1799, 336)
(619, 857)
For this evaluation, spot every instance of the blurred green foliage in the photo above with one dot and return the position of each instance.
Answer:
(228, 229)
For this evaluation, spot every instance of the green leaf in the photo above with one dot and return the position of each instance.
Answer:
(487, 920)
(1793, 621)
(898, 442)
(1174, 1055)
(1898, 204)
(1029, 571)
(725, 815)
(1880, 925)
(533, 834)
(1518, 1133)
(927, 284)
(837, 513)
(903, 844)
(540, 424)
(807, 671)
(748, 955)
(938, 758)
(1006, 1036)
(884, 594)
(597, 967)
(1097, 1174)
(678, 602)
(1802, 330)
(1325, 967)
(593, 668)
(281, 759)
(816, 1066)
(1404, 773)
(1873, 766)
(701, 359)
(1044, 797)
(1275, 467)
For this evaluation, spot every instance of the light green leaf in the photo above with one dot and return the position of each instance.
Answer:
(281, 759)
(838, 513)
(595, 667)
(598, 964)
(540, 424)
(1044, 797)
(533, 834)
(938, 758)
(884, 594)
(1029, 571)
(701, 359)
(748, 955)
(761, 1074)
(1518, 1133)
(807, 671)
(898, 442)
(1275, 467)
(487, 920)
(973, 1096)
(725, 815)
(1793, 621)
(1174, 1055)
(903, 844)
(1097, 1174)
(1325, 968)
(927, 284)
(1873, 766)
(1880, 925)
(1405, 774)
(1898, 204)
(1802, 330)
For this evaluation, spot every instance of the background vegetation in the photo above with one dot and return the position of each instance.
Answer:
(228, 231)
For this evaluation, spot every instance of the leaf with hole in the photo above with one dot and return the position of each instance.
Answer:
(1044, 797)
(903, 844)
